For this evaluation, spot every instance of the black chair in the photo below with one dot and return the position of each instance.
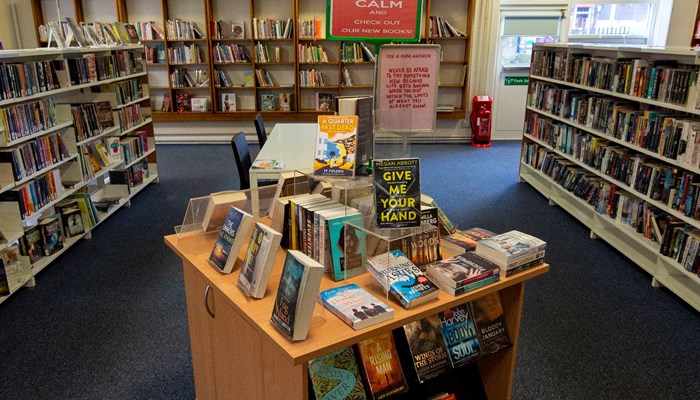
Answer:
(260, 129)
(241, 153)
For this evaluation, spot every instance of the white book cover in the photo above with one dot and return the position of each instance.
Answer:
(262, 250)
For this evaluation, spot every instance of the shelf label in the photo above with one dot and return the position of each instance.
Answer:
(516, 81)
(395, 20)
(407, 88)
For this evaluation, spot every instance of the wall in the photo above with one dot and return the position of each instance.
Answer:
(483, 36)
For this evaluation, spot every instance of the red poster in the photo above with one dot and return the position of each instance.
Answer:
(374, 19)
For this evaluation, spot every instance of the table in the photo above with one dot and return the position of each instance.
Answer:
(293, 144)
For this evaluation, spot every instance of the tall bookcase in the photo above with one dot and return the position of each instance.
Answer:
(288, 71)
(611, 136)
(36, 114)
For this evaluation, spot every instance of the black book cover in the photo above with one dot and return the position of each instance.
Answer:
(397, 192)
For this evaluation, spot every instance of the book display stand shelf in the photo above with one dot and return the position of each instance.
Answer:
(51, 136)
(229, 330)
(611, 137)
(281, 73)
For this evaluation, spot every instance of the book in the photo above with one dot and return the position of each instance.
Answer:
(462, 270)
(510, 249)
(267, 102)
(165, 106)
(446, 226)
(336, 376)
(422, 247)
(267, 164)
(324, 101)
(363, 107)
(260, 256)
(105, 117)
(218, 207)
(285, 101)
(355, 306)
(200, 104)
(113, 148)
(467, 239)
(335, 146)
(4, 283)
(51, 234)
(72, 221)
(183, 102)
(460, 335)
(248, 79)
(487, 311)
(381, 367)
(228, 102)
(403, 280)
(296, 295)
(230, 240)
(346, 243)
(131, 33)
(397, 192)
(468, 287)
(238, 29)
(427, 348)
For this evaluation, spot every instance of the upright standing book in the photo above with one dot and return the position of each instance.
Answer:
(230, 240)
(381, 366)
(262, 250)
(397, 192)
(296, 295)
(460, 335)
(218, 206)
(336, 143)
(363, 107)
(336, 376)
(490, 323)
(355, 306)
(427, 348)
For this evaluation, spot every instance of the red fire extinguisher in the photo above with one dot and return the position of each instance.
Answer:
(481, 121)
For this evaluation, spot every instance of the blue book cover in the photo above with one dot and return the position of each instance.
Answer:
(336, 376)
(226, 247)
(405, 282)
(460, 335)
(284, 311)
(347, 244)
(355, 306)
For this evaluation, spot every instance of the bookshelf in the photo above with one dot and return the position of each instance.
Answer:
(51, 130)
(618, 153)
(288, 72)
(270, 357)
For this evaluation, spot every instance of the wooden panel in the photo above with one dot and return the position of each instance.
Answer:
(200, 341)
(278, 368)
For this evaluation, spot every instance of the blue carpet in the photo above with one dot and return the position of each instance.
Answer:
(108, 319)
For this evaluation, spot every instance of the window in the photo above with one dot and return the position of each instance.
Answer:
(616, 21)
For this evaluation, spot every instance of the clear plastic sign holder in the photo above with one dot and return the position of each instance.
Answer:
(394, 129)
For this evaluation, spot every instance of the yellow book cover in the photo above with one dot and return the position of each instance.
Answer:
(336, 146)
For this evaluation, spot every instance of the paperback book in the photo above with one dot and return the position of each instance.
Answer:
(462, 270)
(267, 102)
(346, 244)
(262, 250)
(230, 240)
(355, 306)
(403, 280)
(460, 335)
(228, 102)
(490, 323)
(335, 146)
(467, 239)
(362, 106)
(397, 192)
(381, 367)
(336, 376)
(324, 101)
(511, 249)
(296, 295)
(218, 206)
(51, 234)
(427, 348)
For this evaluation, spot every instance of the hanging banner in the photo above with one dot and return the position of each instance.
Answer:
(373, 20)
(407, 87)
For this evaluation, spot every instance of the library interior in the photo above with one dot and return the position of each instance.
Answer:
(324, 199)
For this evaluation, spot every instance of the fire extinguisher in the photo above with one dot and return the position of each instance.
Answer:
(481, 121)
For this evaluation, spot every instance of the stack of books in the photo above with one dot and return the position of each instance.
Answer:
(463, 273)
(513, 251)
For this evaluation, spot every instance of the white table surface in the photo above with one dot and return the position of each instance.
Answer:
(292, 144)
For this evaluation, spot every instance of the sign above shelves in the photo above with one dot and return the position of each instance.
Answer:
(374, 20)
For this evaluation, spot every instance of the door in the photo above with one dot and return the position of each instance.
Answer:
(518, 31)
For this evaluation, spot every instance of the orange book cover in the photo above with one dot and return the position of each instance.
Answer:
(381, 366)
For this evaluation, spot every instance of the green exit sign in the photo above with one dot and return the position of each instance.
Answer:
(516, 80)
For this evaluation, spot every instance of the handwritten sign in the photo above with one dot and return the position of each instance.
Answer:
(407, 88)
(396, 20)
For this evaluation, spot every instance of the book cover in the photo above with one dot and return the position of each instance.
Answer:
(490, 323)
(200, 104)
(460, 335)
(510, 249)
(248, 79)
(363, 107)
(105, 117)
(397, 192)
(296, 295)
(165, 106)
(228, 102)
(262, 250)
(218, 207)
(427, 348)
(355, 306)
(467, 239)
(347, 245)
(51, 234)
(72, 222)
(4, 283)
(183, 102)
(404, 281)
(267, 102)
(285, 101)
(231, 238)
(324, 101)
(422, 247)
(113, 148)
(336, 376)
(381, 367)
(462, 269)
(238, 29)
(335, 146)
